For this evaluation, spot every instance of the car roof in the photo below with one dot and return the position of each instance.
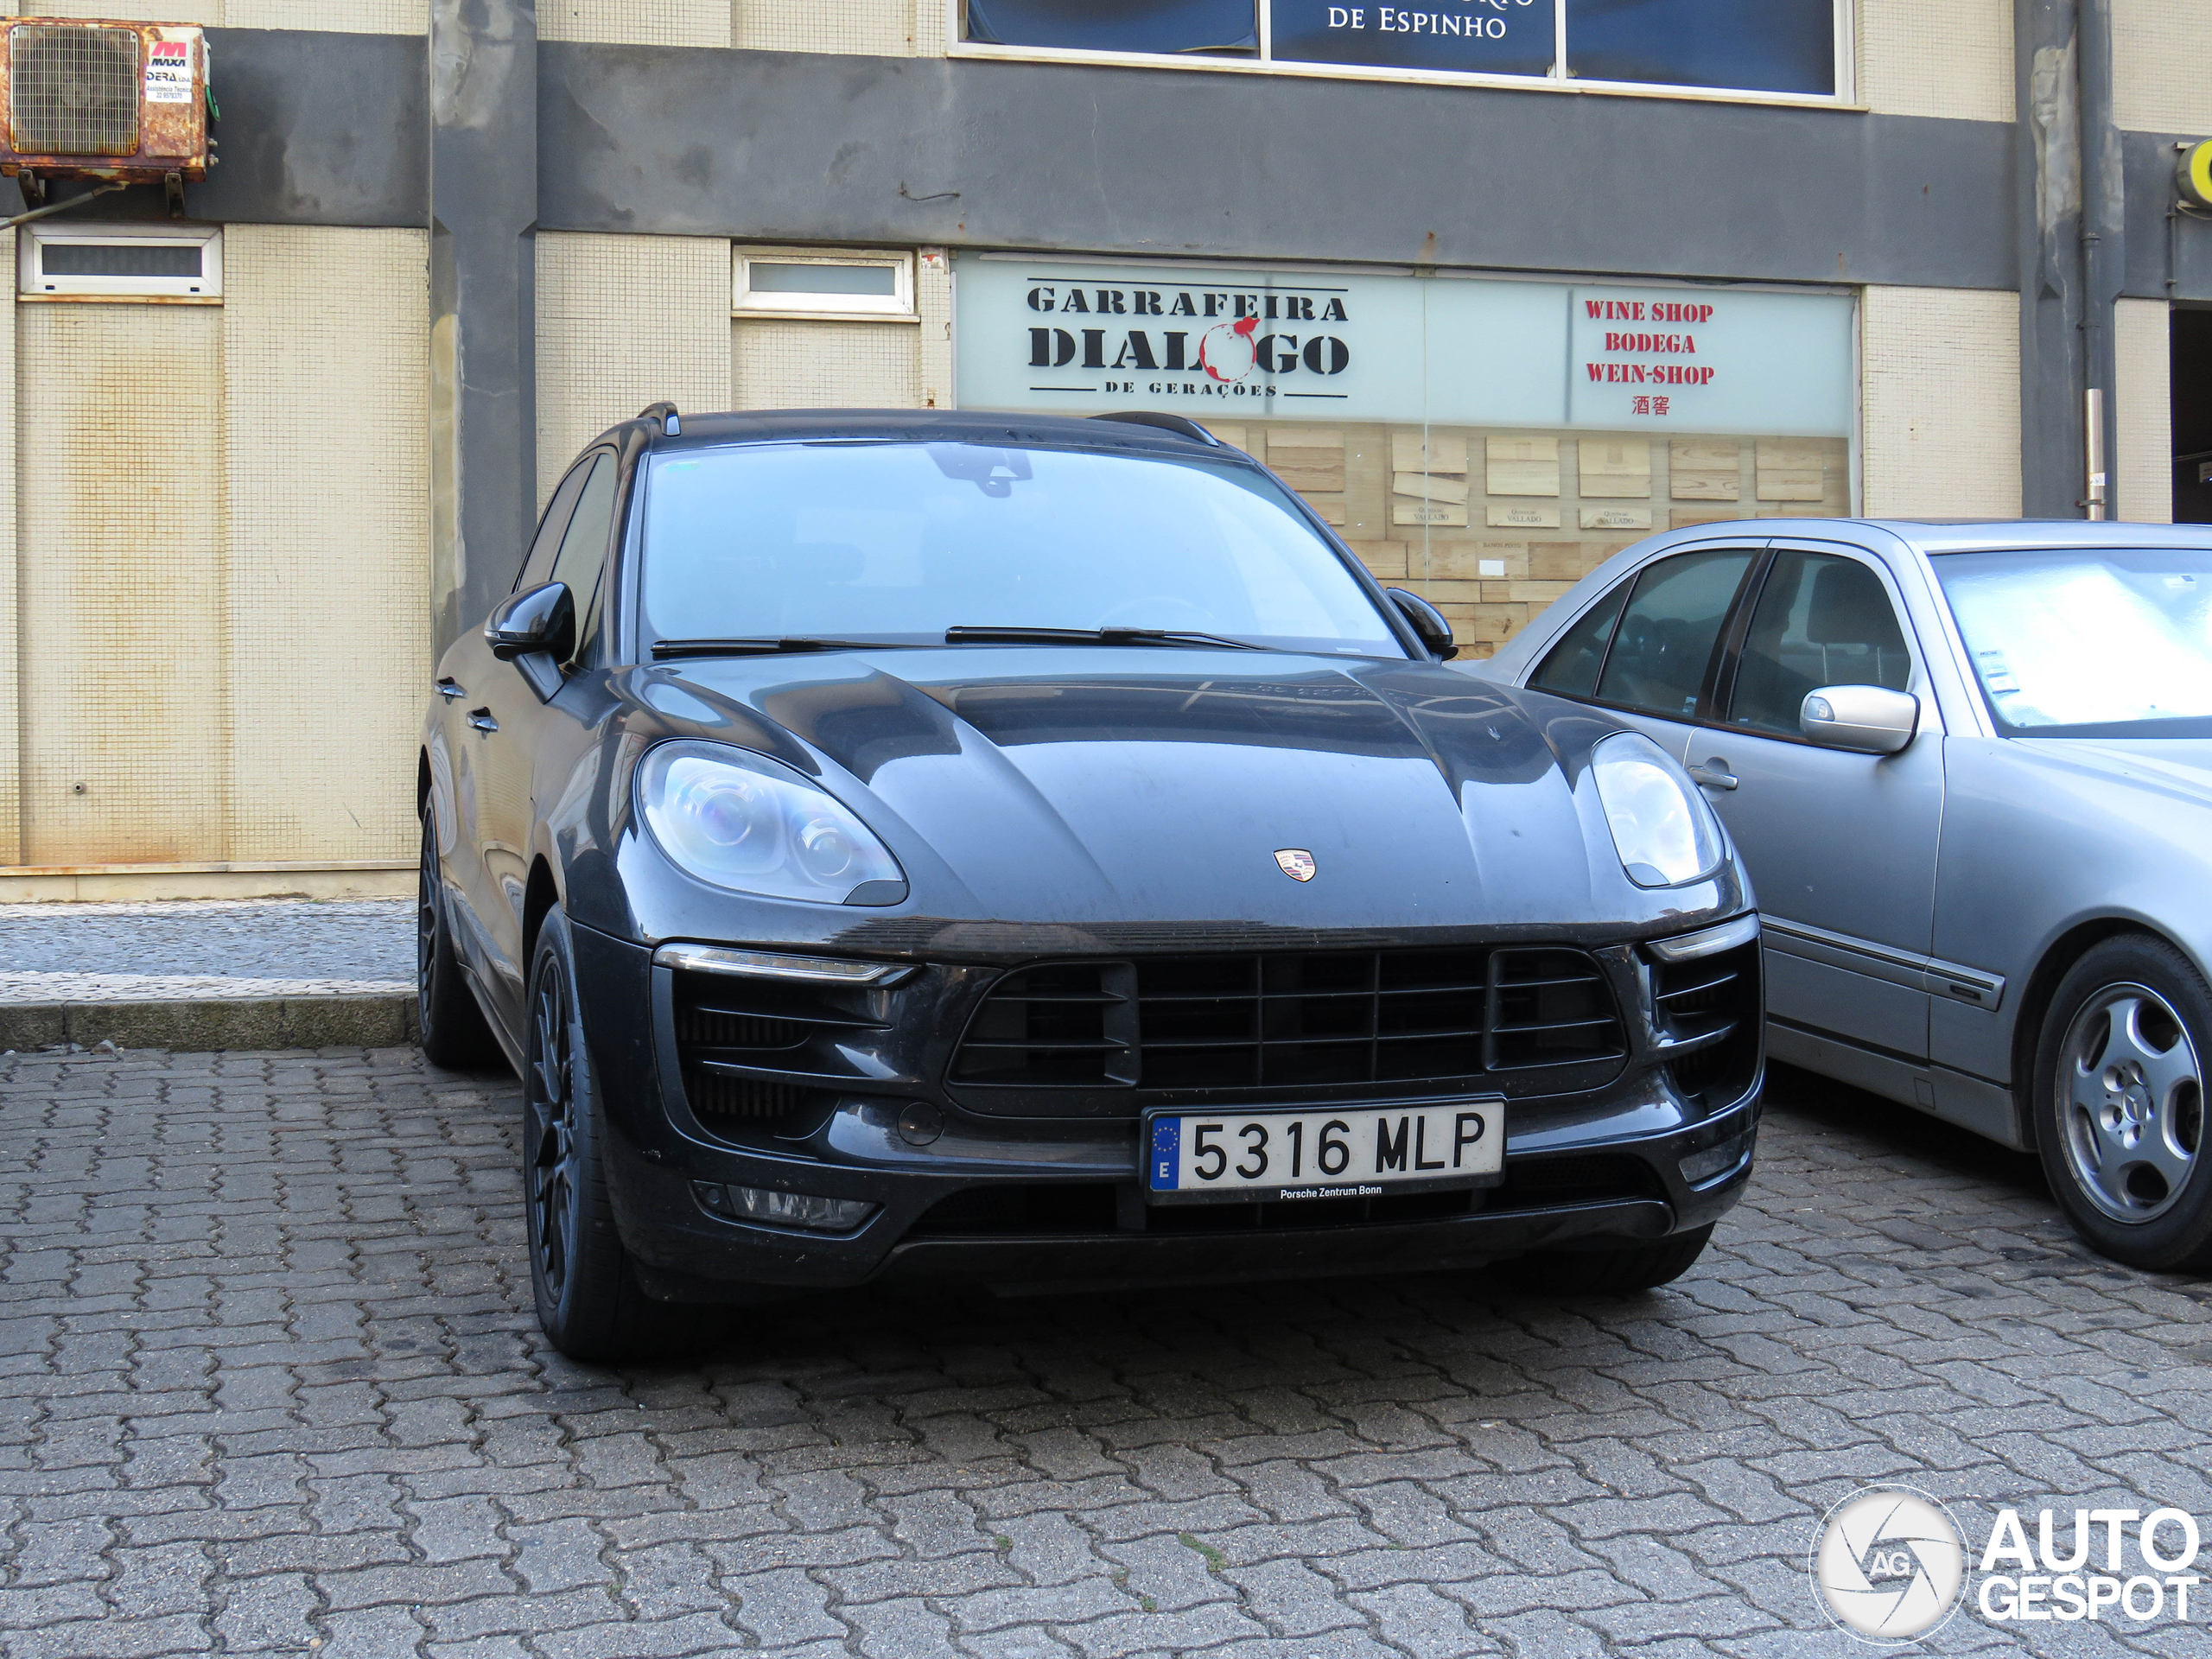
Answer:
(710, 431)
(1936, 537)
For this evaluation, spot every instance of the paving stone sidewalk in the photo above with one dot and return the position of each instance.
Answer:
(205, 948)
(271, 1385)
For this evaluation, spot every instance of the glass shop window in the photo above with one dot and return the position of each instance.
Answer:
(1211, 28)
(1788, 47)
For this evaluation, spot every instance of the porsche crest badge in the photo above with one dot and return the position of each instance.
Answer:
(1296, 864)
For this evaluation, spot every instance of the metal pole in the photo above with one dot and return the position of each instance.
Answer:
(56, 207)
(2094, 424)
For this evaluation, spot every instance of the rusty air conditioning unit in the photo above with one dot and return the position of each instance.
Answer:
(117, 103)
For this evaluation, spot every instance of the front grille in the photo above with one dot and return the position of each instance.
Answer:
(1709, 1007)
(728, 1031)
(74, 90)
(1290, 1019)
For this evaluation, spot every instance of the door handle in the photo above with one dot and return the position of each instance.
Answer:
(1714, 775)
(482, 720)
(448, 688)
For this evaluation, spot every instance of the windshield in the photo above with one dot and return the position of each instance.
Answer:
(899, 542)
(2115, 642)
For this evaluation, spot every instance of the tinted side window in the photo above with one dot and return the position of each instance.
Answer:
(1821, 620)
(1572, 667)
(540, 559)
(1666, 634)
(583, 547)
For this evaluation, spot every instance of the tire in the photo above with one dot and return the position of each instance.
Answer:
(2118, 1107)
(1621, 1271)
(453, 1028)
(589, 1303)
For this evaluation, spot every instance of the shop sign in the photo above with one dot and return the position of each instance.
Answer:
(1082, 339)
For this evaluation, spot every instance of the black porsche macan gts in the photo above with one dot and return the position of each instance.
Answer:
(907, 844)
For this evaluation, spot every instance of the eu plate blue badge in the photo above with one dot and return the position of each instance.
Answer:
(1167, 1152)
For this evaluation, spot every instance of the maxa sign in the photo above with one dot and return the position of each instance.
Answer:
(1173, 340)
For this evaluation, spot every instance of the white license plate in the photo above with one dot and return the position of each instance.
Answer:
(1339, 1152)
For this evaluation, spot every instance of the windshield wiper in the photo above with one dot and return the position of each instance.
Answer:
(763, 647)
(971, 635)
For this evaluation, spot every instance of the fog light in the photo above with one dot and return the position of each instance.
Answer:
(783, 1209)
(1702, 1167)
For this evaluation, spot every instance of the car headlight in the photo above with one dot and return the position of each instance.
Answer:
(1663, 830)
(742, 821)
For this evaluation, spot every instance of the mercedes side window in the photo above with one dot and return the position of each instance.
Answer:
(1820, 620)
(1666, 636)
(1571, 667)
(583, 545)
(541, 547)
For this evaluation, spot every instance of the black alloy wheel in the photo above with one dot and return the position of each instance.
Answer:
(2118, 1103)
(549, 1158)
(452, 1027)
(589, 1301)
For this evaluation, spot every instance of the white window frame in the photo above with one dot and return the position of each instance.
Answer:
(1845, 95)
(898, 306)
(31, 283)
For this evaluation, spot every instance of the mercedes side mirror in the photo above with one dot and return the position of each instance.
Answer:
(1869, 719)
(542, 618)
(1427, 621)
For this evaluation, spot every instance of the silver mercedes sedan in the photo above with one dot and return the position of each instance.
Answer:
(1969, 768)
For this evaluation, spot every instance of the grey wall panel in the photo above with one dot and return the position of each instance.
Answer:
(320, 129)
(856, 150)
(317, 129)
(2156, 247)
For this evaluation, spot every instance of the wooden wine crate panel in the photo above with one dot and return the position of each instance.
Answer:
(1523, 466)
(1616, 517)
(1307, 457)
(1522, 515)
(1790, 470)
(1613, 467)
(1442, 452)
(1428, 486)
(1689, 517)
(1427, 512)
(1705, 469)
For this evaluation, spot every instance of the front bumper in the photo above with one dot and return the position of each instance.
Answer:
(1044, 1201)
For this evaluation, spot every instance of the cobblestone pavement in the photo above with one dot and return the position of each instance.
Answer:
(271, 1384)
(200, 948)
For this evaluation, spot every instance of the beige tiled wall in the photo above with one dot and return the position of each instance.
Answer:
(1940, 402)
(634, 22)
(219, 561)
(343, 16)
(2161, 65)
(874, 27)
(824, 365)
(10, 660)
(2143, 471)
(120, 555)
(328, 615)
(1937, 57)
(624, 322)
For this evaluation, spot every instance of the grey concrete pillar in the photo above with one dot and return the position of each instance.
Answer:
(483, 302)
(2049, 182)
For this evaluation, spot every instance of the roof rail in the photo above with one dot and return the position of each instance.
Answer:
(1181, 425)
(670, 421)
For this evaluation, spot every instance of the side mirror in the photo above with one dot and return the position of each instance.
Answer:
(1870, 719)
(1427, 621)
(537, 618)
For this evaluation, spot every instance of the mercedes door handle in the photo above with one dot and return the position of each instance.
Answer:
(448, 688)
(482, 720)
(1714, 775)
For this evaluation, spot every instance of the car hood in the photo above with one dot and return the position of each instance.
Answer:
(1095, 785)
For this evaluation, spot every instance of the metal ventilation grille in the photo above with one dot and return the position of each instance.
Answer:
(74, 91)
(1708, 1012)
(1296, 1018)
